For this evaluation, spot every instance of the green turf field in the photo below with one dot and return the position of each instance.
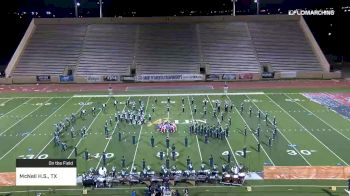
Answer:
(308, 133)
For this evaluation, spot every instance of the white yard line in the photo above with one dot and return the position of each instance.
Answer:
(307, 130)
(22, 118)
(199, 149)
(296, 150)
(138, 140)
(52, 138)
(262, 147)
(319, 118)
(228, 143)
(104, 150)
(87, 130)
(16, 107)
(42, 122)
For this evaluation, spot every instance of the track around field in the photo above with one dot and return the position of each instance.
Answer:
(282, 84)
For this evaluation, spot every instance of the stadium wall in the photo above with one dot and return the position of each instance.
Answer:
(24, 80)
(330, 75)
(5, 80)
(12, 64)
(314, 45)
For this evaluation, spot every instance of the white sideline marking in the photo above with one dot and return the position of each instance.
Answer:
(262, 147)
(302, 156)
(104, 150)
(307, 130)
(87, 130)
(138, 140)
(179, 187)
(171, 95)
(52, 138)
(321, 119)
(34, 128)
(229, 145)
(22, 118)
(199, 149)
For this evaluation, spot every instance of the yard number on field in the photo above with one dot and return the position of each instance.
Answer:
(31, 156)
(303, 152)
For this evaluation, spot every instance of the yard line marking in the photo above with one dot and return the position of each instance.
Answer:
(282, 134)
(87, 130)
(138, 140)
(199, 149)
(52, 138)
(16, 107)
(307, 130)
(320, 119)
(115, 127)
(22, 118)
(262, 147)
(228, 143)
(34, 128)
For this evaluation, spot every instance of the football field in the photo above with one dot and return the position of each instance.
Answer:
(308, 133)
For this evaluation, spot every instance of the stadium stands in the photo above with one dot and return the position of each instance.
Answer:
(167, 48)
(129, 46)
(283, 46)
(51, 49)
(107, 49)
(227, 48)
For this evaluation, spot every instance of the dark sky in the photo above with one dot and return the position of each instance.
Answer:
(15, 27)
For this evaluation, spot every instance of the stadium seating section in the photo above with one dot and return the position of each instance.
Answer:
(158, 48)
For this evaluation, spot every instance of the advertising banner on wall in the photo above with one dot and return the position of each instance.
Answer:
(268, 74)
(229, 76)
(43, 78)
(66, 78)
(111, 78)
(246, 76)
(169, 77)
(213, 77)
(93, 79)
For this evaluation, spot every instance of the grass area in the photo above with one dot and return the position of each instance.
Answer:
(308, 134)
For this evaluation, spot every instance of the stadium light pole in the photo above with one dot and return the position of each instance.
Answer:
(76, 5)
(233, 7)
(100, 3)
(257, 6)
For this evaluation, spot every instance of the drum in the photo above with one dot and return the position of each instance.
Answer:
(235, 178)
(227, 178)
(241, 177)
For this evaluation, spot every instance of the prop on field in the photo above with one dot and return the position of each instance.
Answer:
(166, 127)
